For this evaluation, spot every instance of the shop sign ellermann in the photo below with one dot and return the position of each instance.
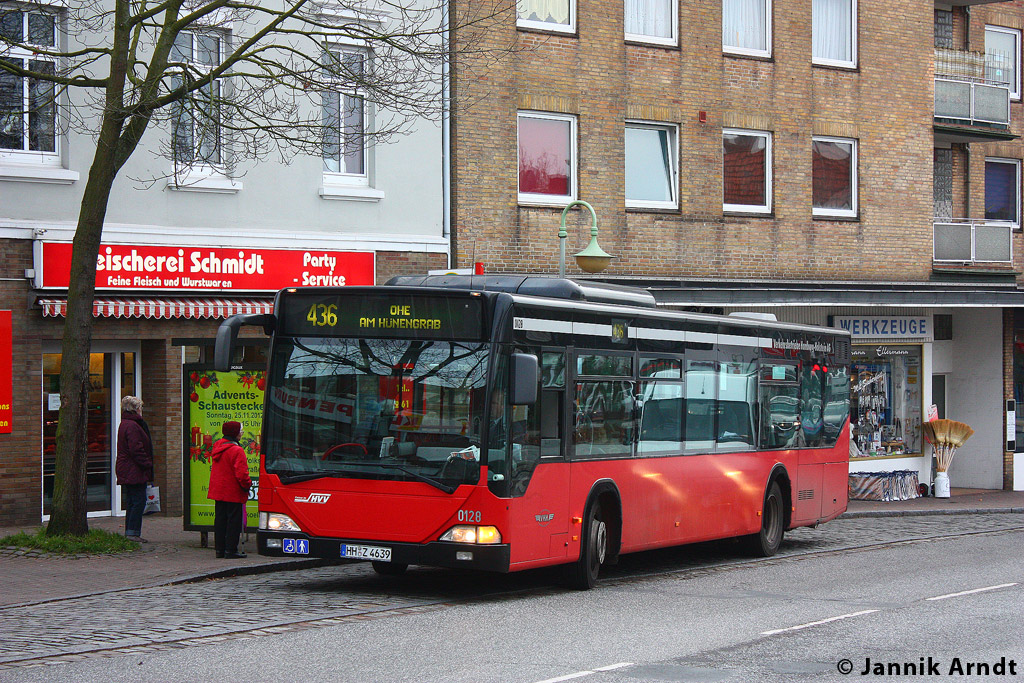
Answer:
(886, 327)
(6, 373)
(183, 269)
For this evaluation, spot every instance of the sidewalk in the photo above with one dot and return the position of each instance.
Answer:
(175, 556)
(171, 556)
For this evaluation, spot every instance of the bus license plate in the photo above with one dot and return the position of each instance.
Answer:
(366, 552)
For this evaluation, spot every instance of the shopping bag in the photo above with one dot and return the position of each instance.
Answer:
(152, 499)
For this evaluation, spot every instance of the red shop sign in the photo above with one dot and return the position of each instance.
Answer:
(6, 374)
(186, 269)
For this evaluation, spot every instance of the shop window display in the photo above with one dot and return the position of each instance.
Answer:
(885, 394)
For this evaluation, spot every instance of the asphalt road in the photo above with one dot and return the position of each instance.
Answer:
(863, 590)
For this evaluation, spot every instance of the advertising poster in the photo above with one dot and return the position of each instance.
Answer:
(211, 399)
(6, 373)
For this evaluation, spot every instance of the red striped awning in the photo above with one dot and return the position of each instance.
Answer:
(192, 307)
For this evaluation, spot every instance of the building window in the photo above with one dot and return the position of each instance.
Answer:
(547, 158)
(28, 106)
(747, 27)
(549, 15)
(834, 171)
(1002, 56)
(651, 21)
(344, 117)
(1002, 190)
(835, 34)
(651, 163)
(944, 28)
(196, 122)
(747, 171)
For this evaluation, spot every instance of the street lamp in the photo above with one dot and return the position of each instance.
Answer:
(593, 259)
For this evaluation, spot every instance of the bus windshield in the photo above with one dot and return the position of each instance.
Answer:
(391, 409)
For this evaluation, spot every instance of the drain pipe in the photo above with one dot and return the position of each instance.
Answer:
(446, 175)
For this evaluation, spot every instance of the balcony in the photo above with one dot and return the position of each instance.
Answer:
(968, 106)
(967, 242)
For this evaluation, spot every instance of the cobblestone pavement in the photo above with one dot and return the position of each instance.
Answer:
(172, 616)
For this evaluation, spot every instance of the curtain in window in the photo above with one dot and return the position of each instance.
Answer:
(745, 165)
(1000, 191)
(832, 170)
(343, 133)
(744, 24)
(649, 18)
(550, 11)
(648, 164)
(833, 30)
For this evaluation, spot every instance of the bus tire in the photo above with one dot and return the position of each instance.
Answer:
(766, 542)
(389, 568)
(583, 574)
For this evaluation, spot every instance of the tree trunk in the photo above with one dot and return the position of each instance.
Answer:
(68, 513)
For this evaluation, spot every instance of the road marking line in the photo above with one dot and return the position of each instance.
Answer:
(976, 590)
(581, 674)
(818, 623)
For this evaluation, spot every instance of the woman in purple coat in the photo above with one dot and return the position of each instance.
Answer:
(134, 466)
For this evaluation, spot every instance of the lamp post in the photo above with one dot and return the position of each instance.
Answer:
(593, 259)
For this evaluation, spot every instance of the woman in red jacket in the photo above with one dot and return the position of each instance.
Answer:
(229, 489)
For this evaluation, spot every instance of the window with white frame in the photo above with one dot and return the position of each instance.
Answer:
(834, 28)
(651, 165)
(1002, 57)
(547, 158)
(344, 116)
(747, 27)
(548, 15)
(1002, 190)
(196, 122)
(747, 171)
(652, 21)
(834, 176)
(28, 106)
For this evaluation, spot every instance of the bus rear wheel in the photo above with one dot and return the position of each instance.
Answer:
(389, 568)
(766, 542)
(594, 551)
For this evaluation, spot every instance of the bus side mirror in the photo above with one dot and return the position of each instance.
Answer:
(525, 374)
(227, 334)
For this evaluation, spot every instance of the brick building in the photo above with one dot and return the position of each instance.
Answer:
(844, 162)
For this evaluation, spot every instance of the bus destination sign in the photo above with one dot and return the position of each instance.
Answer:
(373, 315)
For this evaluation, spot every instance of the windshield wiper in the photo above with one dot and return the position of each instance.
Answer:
(412, 473)
(305, 476)
(421, 477)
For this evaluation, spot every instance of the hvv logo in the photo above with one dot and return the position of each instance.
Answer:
(314, 498)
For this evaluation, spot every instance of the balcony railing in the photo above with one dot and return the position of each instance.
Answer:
(969, 242)
(963, 94)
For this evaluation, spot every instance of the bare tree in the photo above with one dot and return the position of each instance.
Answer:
(229, 80)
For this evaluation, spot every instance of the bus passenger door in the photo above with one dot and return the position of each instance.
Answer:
(539, 507)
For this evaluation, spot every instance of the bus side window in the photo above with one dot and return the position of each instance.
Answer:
(536, 429)
(778, 398)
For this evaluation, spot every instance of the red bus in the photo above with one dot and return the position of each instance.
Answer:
(512, 422)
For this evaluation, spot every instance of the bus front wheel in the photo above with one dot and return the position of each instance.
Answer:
(583, 574)
(766, 542)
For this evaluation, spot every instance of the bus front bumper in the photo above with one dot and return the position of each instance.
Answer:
(493, 558)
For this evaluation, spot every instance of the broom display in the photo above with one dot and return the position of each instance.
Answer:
(946, 436)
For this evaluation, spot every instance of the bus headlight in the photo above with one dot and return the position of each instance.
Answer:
(464, 533)
(275, 521)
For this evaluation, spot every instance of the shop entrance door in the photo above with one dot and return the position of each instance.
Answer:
(113, 374)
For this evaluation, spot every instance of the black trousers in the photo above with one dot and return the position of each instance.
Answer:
(134, 506)
(227, 525)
